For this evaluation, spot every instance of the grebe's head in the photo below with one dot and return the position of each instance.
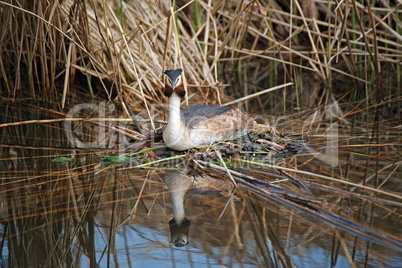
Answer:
(174, 83)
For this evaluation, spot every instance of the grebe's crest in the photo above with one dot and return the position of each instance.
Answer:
(174, 83)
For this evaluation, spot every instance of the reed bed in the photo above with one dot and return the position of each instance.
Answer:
(303, 67)
(347, 50)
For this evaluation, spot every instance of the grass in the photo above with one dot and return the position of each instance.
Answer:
(355, 44)
(284, 62)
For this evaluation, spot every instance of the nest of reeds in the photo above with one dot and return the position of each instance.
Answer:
(263, 143)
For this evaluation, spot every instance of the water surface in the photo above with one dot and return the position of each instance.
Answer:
(84, 213)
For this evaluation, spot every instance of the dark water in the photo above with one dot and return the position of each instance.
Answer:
(84, 213)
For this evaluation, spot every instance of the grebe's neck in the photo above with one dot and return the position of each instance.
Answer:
(174, 121)
(178, 205)
(178, 184)
(174, 133)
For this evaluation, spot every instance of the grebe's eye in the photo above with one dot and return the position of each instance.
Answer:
(178, 79)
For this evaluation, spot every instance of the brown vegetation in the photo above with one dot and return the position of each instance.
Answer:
(347, 51)
(341, 60)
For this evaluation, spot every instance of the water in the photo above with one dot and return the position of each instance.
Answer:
(84, 213)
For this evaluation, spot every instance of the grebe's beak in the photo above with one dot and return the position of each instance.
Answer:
(173, 76)
(174, 85)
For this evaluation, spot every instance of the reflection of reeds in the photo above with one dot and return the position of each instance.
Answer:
(54, 55)
(67, 210)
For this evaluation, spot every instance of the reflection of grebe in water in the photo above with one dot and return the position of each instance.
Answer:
(179, 183)
(199, 124)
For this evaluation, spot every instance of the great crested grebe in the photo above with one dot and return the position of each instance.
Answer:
(199, 124)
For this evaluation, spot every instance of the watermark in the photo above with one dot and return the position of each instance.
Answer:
(328, 120)
(97, 126)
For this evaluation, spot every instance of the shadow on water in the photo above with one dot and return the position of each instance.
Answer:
(83, 213)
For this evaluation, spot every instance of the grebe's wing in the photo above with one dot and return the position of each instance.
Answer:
(195, 115)
(218, 119)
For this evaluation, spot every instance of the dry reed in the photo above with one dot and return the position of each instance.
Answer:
(56, 54)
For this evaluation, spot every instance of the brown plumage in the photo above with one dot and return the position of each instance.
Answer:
(200, 124)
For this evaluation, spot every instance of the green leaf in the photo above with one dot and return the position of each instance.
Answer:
(61, 160)
(116, 160)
